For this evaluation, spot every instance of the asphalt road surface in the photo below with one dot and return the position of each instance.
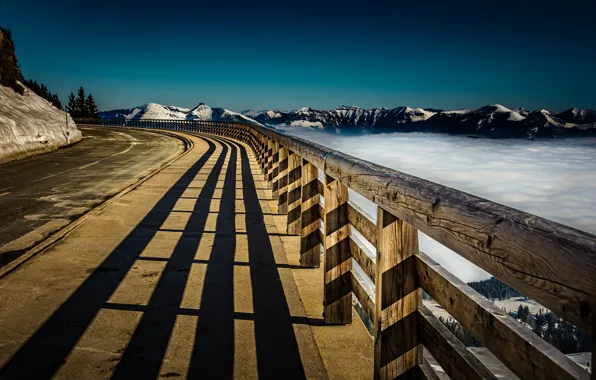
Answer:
(42, 194)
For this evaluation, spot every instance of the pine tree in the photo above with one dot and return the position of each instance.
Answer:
(56, 101)
(72, 107)
(81, 103)
(91, 107)
(44, 93)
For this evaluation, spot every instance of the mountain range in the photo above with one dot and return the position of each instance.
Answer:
(491, 120)
(161, 112)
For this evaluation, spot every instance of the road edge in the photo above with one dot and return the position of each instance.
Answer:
(58, 235)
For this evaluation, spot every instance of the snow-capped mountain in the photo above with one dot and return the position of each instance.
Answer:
(578, 116)
(345, 116)
(493, 120)
(161, 112)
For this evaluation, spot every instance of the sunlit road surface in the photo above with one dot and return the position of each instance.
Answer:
(42, 194)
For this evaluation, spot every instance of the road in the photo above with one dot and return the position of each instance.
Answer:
(42, 194)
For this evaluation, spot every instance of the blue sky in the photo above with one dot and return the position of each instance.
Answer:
(322, 54)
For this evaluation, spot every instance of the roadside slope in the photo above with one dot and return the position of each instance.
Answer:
(30, 125)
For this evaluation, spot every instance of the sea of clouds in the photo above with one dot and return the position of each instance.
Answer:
(552, 178)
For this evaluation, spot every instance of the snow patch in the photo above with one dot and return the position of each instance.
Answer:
(30, 125)
(307, 124)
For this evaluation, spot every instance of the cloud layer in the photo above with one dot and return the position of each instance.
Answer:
(554, 178)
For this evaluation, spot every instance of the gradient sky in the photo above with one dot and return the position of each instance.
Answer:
(285, 55)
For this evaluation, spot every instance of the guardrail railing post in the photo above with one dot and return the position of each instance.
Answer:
(337, 259)
(274, 170)
(269, 159)
(398, 297)
(282, 180)
(310, 234)
(294, 181)
(264, 148)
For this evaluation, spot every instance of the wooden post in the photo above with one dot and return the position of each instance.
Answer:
(282, 180)
(310, 235)
(398, 296)
(294, 193)
(269, 164)
(338, 260)
(274, 170)
(264, 149)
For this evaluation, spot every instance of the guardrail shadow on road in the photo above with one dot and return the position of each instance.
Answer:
(213, 353)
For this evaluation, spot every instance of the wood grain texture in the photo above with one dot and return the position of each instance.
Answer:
(294, 180)
(548, 262)
(397, 298)
(273, 174)
(523, 352)
(427, 372)
(282, 180)
(363, 257)
(455, 359)
(269, 160)
(310, 239)
(337, 258)
(366, 298)
(363, 222)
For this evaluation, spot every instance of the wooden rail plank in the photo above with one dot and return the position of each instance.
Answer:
(338, 261)
(397, 298)
(427, 372)
(363, 222)
(523, 352)
(310, 239)
(548, 262)
(294, 193)
(273, 174)
(363, 257)
(269, 159)
(455, 359)
(365, 298)
(282, 180)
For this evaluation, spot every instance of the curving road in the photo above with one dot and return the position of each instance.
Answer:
(42, 194)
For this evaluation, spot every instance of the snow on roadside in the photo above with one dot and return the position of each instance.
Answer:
(30, 125)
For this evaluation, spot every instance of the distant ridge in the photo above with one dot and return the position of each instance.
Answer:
(493, 120)
(161, 112)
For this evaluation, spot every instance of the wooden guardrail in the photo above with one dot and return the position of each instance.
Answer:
(548, 262)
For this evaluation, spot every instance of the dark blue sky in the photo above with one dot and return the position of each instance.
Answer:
(243, 54)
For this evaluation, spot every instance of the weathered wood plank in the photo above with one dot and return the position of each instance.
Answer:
(363, 257)
(427, 372)
(522, 351)
(294, 193)
(548, 262)
(365, 298)
(273, 174)
(282, 180)
(363, 222)
(397, 299)
(452, 355)
(337, 259)
(269, 159)
(310, 239)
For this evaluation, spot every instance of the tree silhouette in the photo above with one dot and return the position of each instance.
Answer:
(81, 103)
(91, 107)
(72, 107)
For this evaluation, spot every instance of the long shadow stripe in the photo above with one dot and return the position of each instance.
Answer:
(213, 352)
(144, 354)
(278, 356)
(43, 354)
